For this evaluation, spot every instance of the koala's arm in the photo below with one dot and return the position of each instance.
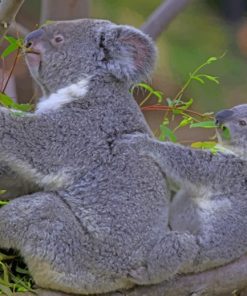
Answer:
(218, 172)
(14, 184)
(23, 139)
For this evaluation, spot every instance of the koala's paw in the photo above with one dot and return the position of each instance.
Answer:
(173, 254)
(189, 252)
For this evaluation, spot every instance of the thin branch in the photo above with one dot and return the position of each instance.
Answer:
(8, 11)
(18, 30)
(11, 71)
(162, 16)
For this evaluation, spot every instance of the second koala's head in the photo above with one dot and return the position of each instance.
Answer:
(61, 53)
(232, 128)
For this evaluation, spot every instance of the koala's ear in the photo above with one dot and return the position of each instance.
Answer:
(126, 53)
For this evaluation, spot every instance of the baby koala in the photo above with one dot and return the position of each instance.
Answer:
(98, 218)
(212, 203)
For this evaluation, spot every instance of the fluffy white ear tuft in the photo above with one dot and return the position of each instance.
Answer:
(127, 53)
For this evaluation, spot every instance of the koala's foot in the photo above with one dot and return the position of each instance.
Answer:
(51, 240)
(172, 254)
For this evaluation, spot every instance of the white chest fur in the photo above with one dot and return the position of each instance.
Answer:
(63, 96)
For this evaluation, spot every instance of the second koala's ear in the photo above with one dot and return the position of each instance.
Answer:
(126, 53)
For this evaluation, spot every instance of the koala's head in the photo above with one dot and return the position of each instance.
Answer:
(232, 127)
(61, 53)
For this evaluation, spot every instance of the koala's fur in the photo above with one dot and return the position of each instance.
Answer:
(212, 203)
(99, 221)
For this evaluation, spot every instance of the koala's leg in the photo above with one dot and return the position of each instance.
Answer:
(173, 252)
(184, 213)
(50, 239)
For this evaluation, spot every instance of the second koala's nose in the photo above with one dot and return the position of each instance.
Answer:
(33, 37)
(222, 116)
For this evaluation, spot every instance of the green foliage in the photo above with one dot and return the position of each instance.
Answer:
(13, 277)
(14, 44)
(226, 135)
(7, 102)
(177, 110)
(204, 124)
(209, 145)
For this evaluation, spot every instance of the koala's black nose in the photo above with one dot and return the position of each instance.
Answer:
(32, 37)
(223, 116)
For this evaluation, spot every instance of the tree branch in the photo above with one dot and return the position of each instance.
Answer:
(215, 282)
(8, 11)
(64, 9)
(162, 16)
(220, 281)
(18, 30)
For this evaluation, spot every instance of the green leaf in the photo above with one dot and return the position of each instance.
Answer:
(22, 270)
(166, 133)
(211, 78)
(14, 44)
(7, 102)
(169, 102)
(159, 95)
(177, 111)
(197, 78)
(5, 257)
(186, 105)
(211, 60)
(145, 86)
(208, 145)
(6, 290)
(204, 124)
(226, 134)
(3, 202)
(185, 121)
(5, 279)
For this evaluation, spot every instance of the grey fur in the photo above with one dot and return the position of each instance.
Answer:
(100, 222)
(14, 184)
(212, 202)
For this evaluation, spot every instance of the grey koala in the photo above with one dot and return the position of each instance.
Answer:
(212, 203)
(100, 219)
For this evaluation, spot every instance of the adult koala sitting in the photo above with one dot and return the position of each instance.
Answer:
(100, 219)
(212, 203)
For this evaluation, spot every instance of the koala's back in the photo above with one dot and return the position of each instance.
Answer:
(123, 209)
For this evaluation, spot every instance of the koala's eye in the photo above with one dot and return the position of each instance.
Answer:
(242, 122)
(58, 39)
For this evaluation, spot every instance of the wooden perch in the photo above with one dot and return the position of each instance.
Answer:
(8, 11)
(162, 17)
(220, 281)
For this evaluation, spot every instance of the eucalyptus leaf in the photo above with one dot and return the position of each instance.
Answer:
(204, 124)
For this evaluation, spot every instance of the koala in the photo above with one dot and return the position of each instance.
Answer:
(212, 202)
(99, 221)
(14, 185)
